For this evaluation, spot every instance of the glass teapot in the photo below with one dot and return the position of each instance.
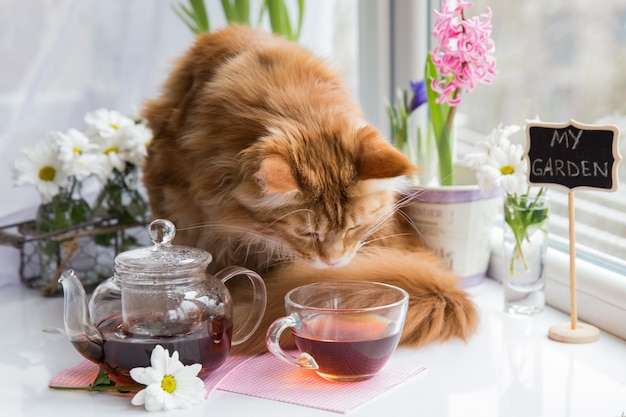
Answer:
(159, 295)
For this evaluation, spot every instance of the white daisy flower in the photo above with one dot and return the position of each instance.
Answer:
(41, 168)
(77, 153)
(505, 169)
(499, 137)
(90, 164)
(169, 383)
(114, 153)
(105, 123)
(136, 140)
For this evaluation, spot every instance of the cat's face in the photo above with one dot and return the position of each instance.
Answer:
(321, 210)
(326, 236)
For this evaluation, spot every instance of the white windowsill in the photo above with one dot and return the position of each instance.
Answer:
(509, 367)
(600, 295)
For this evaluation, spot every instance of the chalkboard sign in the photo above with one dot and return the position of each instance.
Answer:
(573, 155)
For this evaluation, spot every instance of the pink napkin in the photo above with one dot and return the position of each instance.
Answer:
(268, 377)
(81, 375)
(85, 372)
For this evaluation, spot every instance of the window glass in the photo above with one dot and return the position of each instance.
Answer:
(560, 60)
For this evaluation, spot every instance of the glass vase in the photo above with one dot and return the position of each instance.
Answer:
(120, 198)
(120, 201)
(60, 243)
(525, 246)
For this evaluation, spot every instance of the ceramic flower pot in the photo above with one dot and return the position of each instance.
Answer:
(456, 222)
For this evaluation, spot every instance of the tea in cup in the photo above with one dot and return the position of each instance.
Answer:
(345, 331)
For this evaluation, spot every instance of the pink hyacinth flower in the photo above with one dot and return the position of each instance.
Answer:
(464, 56)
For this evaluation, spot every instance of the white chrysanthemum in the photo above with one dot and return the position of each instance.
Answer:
(505, 169)
(90, 164)
(105, 123)
(41, 168)
(78, 154)
(136, 140)
(169, 383)
(499, 137)
(115, 155)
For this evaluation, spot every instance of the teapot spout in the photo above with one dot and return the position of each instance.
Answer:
(78, 325)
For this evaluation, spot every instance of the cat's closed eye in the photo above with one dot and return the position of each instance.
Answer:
(306, 233)
(354, 228)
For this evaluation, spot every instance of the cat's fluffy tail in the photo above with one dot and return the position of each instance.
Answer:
(439, 309)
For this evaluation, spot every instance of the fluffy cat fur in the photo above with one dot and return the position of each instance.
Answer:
(261, 157)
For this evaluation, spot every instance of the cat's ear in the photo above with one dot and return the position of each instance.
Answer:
(275, 176)
(378, 159)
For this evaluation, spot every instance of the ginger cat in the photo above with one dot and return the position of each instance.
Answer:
(262, 157)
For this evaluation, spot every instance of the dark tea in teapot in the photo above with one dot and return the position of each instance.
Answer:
(207, 345)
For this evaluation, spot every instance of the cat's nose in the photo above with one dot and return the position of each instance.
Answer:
(338, 262)
(332, 262)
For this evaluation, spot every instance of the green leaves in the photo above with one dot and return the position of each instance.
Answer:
(398, 116)
(441, 119)
(438, 112)
(195, 16)
(102, 382)
(237, 11)
(280, 20)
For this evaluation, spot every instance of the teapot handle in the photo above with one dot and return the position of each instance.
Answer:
(259, 300)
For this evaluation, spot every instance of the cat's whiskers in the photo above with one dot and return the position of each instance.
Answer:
(386, 219)
(258, 246)
(286, 215)
(251, 242)
(198, 226)
(410, 222)
(409, 195)
(378, 225)
(367, 242)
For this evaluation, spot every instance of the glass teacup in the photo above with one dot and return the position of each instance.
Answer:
(345, 331)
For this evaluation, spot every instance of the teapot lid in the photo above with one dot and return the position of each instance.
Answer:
(162, 256)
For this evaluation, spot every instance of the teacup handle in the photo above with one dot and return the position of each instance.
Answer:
(244, 331)
(272, 340)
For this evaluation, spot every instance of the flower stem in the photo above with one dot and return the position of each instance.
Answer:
(521, 213)
(121, 388)
(444, 150)
(519, 253)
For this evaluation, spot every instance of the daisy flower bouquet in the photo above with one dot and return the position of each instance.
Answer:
(461, 60)
(108, 151)
(111, 148)
(121, 145)
(501, 164)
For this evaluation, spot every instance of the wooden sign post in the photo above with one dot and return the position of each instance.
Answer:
(574, 156)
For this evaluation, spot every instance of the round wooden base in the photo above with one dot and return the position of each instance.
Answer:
(584, 333)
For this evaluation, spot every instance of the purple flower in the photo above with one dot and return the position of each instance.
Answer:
(419, 94)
